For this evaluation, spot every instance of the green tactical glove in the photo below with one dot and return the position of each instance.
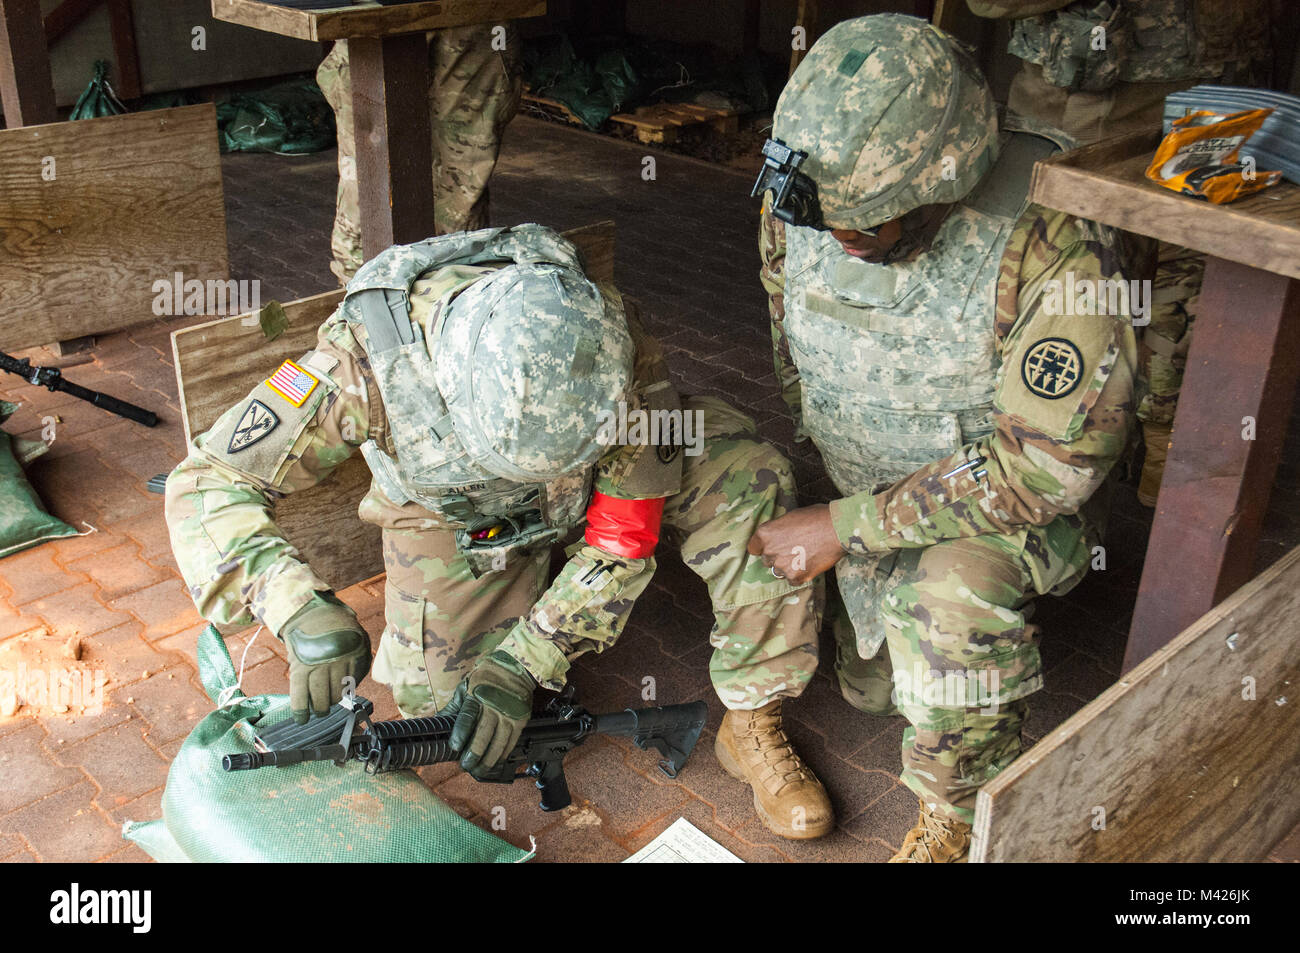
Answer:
(326, 643)
(491, 711)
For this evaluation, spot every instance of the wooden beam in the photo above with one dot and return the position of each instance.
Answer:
(394, 152)
(127, 64)
(372, 19)
(1194, 756)
(217, 363)
(806, 17)
(1107, 182)
(96, 211)
(26, 85)
(67, 15)
(1238, 392)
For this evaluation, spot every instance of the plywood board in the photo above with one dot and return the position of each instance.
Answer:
(372, 19)
(1107, 183)
(1183, 764)
(218, 363)
(93, 212)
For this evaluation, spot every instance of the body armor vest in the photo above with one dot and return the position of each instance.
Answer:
(427, 463)
(898, 362)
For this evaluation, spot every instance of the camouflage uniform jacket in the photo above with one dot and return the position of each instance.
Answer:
(238, 565)
(1063, 397)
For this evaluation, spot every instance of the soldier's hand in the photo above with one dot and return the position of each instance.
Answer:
(326, 643)
(492, 712)
(798, 546)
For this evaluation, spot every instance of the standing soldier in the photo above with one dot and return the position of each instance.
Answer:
(969, 416)
(475, 81)
(479, 374)
(1100, 69)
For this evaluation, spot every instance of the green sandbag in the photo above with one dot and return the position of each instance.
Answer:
(289, 119)
(23, 519)
(307, 813)
(98, 99)
(156, 841)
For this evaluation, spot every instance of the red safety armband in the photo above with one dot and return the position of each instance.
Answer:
(624, 527)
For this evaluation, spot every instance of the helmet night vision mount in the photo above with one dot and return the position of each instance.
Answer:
(794, 195)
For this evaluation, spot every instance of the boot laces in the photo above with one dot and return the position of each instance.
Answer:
(774, 748)
(933, 831)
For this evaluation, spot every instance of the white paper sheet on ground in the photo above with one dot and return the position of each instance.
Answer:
(683, 843)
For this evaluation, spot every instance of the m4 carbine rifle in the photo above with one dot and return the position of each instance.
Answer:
(409, 743)
(52, 378)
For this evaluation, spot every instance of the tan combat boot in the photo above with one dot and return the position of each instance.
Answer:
(752, 747)
(934, 840)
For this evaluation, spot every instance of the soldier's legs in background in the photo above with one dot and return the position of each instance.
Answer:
(765, 631)
(335, 80)
(964, 660)
(1165, 343)
(440, 619)
(474, 91)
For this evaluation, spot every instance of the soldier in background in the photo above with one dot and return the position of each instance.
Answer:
(475, 81)
(477, 373)
(1101, 69)
(970, 421)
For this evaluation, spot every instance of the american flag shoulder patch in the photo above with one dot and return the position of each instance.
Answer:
(293, 383)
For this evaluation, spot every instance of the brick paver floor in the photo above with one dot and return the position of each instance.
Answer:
(111, 600)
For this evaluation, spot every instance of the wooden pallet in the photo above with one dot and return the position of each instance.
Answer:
(551, 107)
(662, 122)
(652, 124)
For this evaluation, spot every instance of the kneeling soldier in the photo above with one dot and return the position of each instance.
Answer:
(967, 412)
(479, 373)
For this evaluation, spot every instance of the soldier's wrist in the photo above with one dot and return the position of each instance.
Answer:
(857, 524)
(539, 656)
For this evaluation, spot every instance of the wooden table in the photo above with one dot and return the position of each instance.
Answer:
(388, 58)
(1241, 372)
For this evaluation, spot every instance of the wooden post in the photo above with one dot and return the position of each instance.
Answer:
(26, 85)
(1236, 401)
(122, 26)
(806, 17)
(390, 92)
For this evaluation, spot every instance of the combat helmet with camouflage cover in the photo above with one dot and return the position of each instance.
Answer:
(528, 360)
(893, 115)
(495, 357)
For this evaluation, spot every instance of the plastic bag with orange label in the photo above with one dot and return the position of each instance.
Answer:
(1199, 157)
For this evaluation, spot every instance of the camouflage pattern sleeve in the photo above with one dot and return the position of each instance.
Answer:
(236, 563)
(583, 611)
(771, 252)
(1065, 401)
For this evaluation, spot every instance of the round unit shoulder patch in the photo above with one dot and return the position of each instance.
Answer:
(1052, 368)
